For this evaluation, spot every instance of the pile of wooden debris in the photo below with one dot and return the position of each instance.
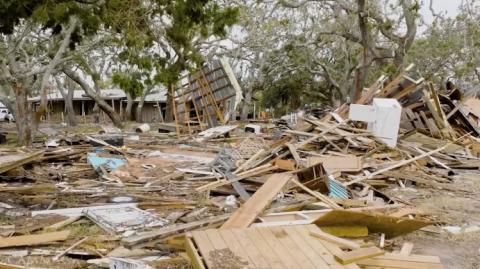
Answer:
(318, 196)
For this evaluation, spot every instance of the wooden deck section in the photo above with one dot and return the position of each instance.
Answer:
(279, 247)
(285, 247)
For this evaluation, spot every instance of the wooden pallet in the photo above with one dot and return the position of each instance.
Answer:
(266, 247)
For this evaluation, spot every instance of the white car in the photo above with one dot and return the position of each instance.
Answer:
(6, 115)
(3, 114)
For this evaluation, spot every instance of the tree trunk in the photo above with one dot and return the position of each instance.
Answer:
(23, 117)
(68, 100)
(140, 105)
(410, 12)
(112, 114)
(96, 108)
(72, 120)
(247, 102)
(169, 107)
(362, 69)
(128, 109)
(42, 109)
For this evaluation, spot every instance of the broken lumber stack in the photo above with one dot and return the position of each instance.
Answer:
(329, 192)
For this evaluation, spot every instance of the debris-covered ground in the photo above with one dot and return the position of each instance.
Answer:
(317, 191)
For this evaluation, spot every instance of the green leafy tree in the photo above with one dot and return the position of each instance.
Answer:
(155, 36)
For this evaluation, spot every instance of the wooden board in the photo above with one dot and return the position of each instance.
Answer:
(338, 163)
(248, 212)
(335, 240)
(358, 254)
(398, 261)
(12, 161)
(473, 106)
(279, 247)
(34, 239)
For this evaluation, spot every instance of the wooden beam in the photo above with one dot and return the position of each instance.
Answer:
(335, 240)
(34, 239)
(294, 153)
(248, 212)
(358, 254)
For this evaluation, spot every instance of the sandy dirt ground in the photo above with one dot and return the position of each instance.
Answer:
(457, 251)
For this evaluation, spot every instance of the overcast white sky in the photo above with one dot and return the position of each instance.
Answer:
(447, 7)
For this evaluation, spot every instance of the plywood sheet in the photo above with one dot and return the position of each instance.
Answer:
(338, 163)
(376, 223)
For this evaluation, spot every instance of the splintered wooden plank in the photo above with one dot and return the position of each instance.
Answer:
(414, 258)
(432, 127)
(248, 212)
(420, 123)
(358, 254)
(10, 162)
(204, 246)
(435, 127)
(391, 260)
(250, 248)
(405, 121)
(414, 119)
(300, 258)
(236, 247)
(284, 254)
(405, 91)
(399, 264)
(317, 245)
(294, 153)
(264, 249)
(334, 239)
(332, 248)
(34, 239)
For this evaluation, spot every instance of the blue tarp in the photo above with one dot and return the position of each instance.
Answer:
(109, 163)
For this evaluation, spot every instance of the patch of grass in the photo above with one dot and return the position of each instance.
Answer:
(12, 140)
(84, 229)
(84, 129)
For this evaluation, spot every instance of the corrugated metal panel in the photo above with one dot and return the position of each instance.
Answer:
(337, 190)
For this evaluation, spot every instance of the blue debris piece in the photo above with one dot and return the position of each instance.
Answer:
(337, 190)
(108, 163)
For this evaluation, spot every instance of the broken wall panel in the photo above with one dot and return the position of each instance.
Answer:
(209, 96)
